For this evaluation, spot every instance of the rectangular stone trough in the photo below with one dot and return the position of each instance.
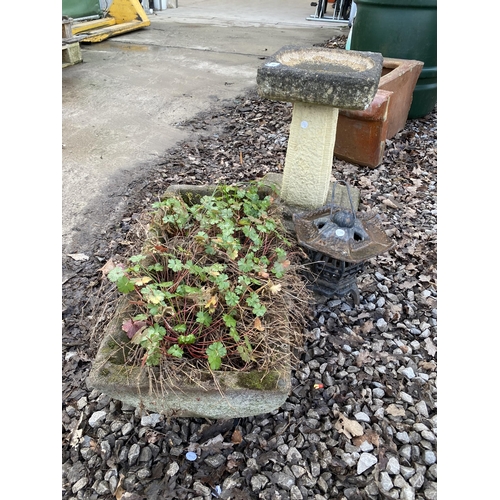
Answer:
(361, 135)
(214, 395)
(217, 395)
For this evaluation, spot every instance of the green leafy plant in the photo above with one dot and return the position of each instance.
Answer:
(202, 286)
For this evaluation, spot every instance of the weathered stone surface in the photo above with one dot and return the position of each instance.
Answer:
(338, 78)
(243, 394)
(366, 460)
(308, 162)
(97, 418)
(319, 82)
(340, 197)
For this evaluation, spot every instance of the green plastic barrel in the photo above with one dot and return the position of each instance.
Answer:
(81, 8)
(403, 29)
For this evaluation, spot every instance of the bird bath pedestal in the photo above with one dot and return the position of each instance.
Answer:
(319, 82)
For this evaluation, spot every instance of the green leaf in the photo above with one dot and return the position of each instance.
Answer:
(259, 310)
(201, 237)
(252, 234)
(186, 339)
(222, 282)
(167, 219)
(226, 226)
(175, 264)
(204, 318)
(244, 280)
(246, 351)
(154, 309)
(246, 264)
(278, 269)
(196, 270)
(210, 250)
(175, 351)
(254, 302)
(152, 294)
(233, 333)
(281, 254)
(154, 334)
(245, 354)
(116, 273)
(154, 358)
(150, 340)
(184, 290)
(125, 285)
(229, 320)
(215, 353)
(248, 345)
(270, 225)
(137, 258)
(231, 299)
(253, 299)
(215, 268)
(165, 284)
(227, 215)
(180, 328)
(155, 267)
(263, 261)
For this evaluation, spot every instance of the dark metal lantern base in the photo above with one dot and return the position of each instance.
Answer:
(332, 277)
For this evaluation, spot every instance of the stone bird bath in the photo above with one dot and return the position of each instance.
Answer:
(319, 82)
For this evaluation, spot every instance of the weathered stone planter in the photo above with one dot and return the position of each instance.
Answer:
(201, 392)
(361, 135)
(204, 394)
(319, 82)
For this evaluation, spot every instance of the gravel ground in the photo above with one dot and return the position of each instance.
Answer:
(361, 419)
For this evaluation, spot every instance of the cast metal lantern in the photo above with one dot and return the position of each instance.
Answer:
(338, 242)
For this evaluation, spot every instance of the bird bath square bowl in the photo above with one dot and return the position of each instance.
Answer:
(339, 78)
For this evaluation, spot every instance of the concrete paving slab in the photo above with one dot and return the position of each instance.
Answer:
(261, 13)
(121, 107)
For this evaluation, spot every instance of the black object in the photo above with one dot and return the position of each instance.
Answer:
(338, 243)
(341, 10)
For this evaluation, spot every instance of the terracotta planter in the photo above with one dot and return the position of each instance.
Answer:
(400, 77)
(361, 135)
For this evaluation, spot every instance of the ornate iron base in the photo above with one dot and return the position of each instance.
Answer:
(332, 277)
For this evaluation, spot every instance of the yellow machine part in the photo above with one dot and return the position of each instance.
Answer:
(123, 16)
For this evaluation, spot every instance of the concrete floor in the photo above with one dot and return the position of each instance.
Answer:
(121, 105)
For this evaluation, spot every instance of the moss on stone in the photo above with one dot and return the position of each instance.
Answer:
(111, 344)
(255, 380)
